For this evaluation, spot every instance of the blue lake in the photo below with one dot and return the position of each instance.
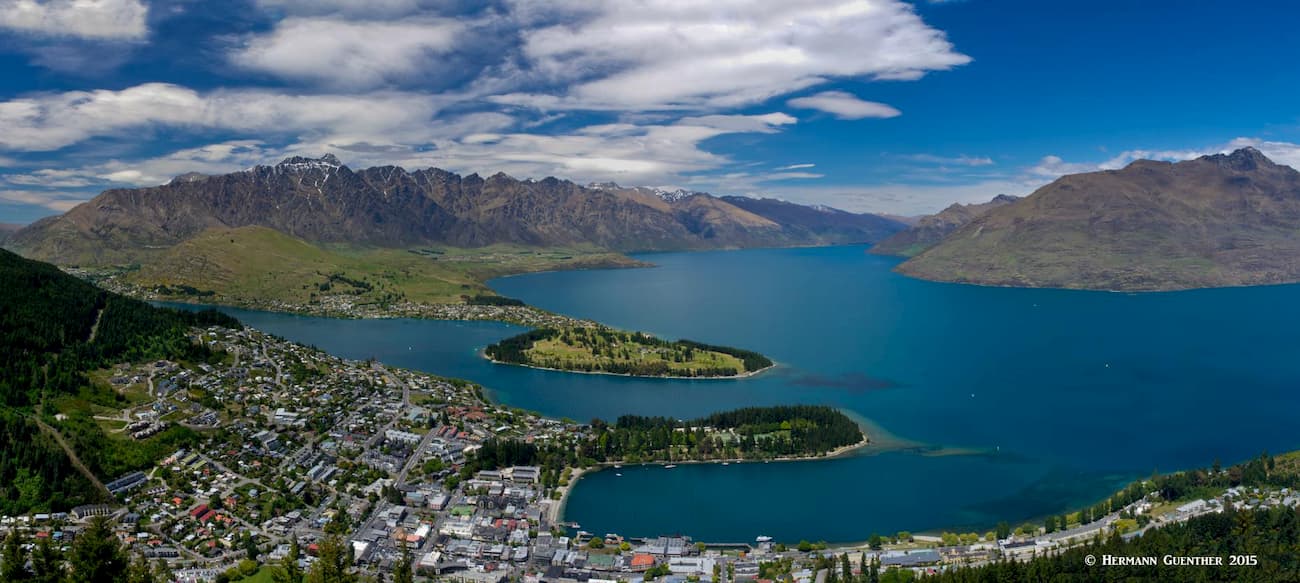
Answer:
(1028, 402)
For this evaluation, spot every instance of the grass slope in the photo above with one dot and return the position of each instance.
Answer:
(261, 264)
(601, 349)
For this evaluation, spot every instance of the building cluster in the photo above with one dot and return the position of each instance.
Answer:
(298, 445)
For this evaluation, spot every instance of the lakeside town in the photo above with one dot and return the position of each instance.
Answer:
(297, 446)
(345, 305)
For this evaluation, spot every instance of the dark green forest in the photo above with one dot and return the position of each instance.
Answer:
(751, 433)
(54, 328)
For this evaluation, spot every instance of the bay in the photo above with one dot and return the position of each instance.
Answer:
(1019, 402)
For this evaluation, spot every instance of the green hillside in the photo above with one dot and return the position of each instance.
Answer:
(251, 265)
(54, 329)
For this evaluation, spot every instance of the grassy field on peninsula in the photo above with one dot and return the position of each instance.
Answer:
(602, 349)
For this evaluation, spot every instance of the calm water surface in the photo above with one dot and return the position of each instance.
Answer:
(1027, 402)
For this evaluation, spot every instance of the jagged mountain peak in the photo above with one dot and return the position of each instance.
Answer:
(325, 161)
(322, 201)
(188, 177)
(1242, 159)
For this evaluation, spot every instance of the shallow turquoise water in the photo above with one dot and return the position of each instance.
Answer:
(1064, 395)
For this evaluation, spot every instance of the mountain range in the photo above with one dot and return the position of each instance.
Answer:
(1218, 220)
(322, 201)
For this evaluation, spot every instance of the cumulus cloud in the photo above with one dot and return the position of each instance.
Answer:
(348, 53)
(844, 105)
(664, 54)
(91, 19)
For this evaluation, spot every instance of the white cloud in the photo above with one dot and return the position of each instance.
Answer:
(91, 19)
(52, 121)
(960, 160)
(663, 54)
(844, 105)
(57, 201)
(627, 153)
(796, 166)
(347, 53)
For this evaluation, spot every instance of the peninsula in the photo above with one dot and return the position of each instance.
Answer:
(600, 349)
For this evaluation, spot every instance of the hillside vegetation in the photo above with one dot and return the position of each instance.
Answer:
(54, 329)
(749, 433)
(252, 265)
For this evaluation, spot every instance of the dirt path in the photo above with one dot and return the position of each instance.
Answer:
(72, 455)
(94, 329)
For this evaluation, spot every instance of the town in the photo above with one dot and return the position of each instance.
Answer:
(297, 446)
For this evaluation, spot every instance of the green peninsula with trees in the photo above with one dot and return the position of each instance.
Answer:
(600, 349)
(793, 431)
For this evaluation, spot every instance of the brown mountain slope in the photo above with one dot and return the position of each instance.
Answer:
(7, 229)
(1221, 220)
(323, 201)
(930, 229)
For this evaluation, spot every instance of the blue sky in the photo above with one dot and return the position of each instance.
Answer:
(867, 105)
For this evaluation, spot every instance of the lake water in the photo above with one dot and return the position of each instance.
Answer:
(1026, 402)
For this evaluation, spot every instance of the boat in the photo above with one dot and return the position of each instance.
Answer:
(670, 466)
(763, 539)
(618, 474)
(618, 467)
(726, 463)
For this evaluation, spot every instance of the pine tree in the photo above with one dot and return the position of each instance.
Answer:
(13, 563)
(97, 555)
(332, 563)
(161, 572)
(47, 563)
(289, 571)
(402, 571)
(140, 572)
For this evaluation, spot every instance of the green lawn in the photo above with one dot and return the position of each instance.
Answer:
(261, 264)
(580, 348)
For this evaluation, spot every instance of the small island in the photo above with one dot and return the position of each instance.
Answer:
(751, 433)
(600, 349)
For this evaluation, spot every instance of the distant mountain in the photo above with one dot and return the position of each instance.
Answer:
(930, 229)
(323, 201)
(1221, 220)
(820, 223)
(7, 229)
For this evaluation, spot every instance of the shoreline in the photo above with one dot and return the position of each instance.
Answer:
(744, 375)
(840, 452)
